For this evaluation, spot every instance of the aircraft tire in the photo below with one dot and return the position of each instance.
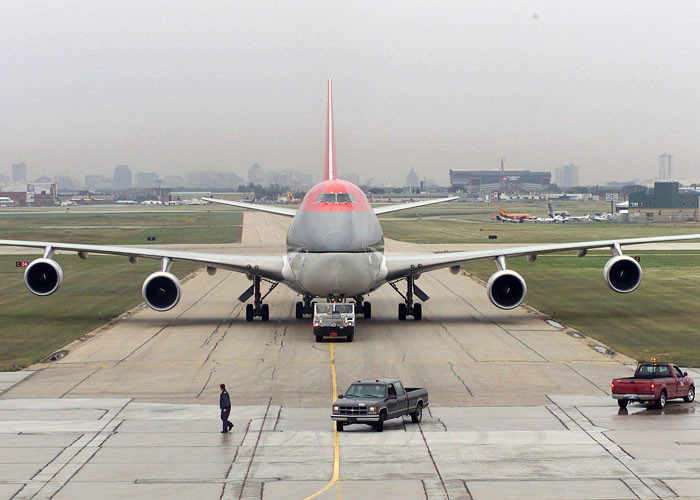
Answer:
(300, 310)
(249, 312)
(418, 312)
(367, 310)
(265, 312)
(402, 312)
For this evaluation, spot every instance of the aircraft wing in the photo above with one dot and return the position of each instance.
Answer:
(399, 266)
(266, 266)
(405, 206)
(286, 212)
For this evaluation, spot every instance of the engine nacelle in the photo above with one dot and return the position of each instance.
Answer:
(161, 291)
(622, 274)
(506, 289)
(43, 276)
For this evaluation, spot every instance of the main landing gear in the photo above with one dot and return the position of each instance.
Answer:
(257, 309)
(364, 308)
(409, 308)
(307, 307)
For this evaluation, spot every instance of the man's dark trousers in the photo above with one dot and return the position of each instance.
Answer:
(225, 413)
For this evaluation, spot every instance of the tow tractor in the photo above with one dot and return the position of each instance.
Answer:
(334, 320)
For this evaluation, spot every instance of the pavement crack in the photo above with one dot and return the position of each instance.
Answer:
(452, 367)
(211, 374)
(460, 344)
(432, 459)
(80, 382)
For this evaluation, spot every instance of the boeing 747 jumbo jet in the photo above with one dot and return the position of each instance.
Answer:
(335, 251)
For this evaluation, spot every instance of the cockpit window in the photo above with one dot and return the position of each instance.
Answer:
(335, 198)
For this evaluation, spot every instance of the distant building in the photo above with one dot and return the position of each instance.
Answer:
(96, 182)
(663, 203)
(566, 176)
(210, 179)
(172, 181)
(30, 194)
(256, 175)
(64, 183)
(489, 181)
(19, 172)
(145, 180)
(122, 177)
(412, 179)
(354, 178)
(43, 179)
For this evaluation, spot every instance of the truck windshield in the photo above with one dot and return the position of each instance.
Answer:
(366, 391)
(343, 308)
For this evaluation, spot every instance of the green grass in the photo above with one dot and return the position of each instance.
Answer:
(659, 319)
(125, 228)
(93, 292)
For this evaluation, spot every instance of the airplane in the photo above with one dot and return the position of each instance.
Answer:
(565, 216)
(505, 215)
(335, 251)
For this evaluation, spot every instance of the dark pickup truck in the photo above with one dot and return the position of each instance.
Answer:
(657, 382)
(372, 402)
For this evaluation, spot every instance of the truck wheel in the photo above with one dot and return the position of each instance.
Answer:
(379, 426)
(691, 395)
(339, 426)
(319, 338)
(622, 403)
(300, 310)
(265, 312)
(350, 337)
(249, 312)
(417, 415)
(661, 402)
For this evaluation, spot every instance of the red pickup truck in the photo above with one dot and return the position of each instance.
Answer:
(656, 382)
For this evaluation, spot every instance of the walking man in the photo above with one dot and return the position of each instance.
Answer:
(225, 405)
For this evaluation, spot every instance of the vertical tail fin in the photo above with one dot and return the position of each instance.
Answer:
(330, 170)
(551, 212)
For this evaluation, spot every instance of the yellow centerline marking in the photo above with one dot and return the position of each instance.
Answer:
(336, 445)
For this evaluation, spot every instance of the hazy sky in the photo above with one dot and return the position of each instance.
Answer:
(174, 86)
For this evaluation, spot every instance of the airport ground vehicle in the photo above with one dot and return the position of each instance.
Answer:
(652, 381)
(372, 402)
(334, 320)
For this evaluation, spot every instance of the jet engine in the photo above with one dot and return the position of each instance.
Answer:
(506, 289)
(622, 274)
(161, 291)
(43, 276)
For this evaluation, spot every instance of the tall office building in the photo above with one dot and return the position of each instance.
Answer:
(19, 172)
(147, 180)
(567, 175)
(122, 177)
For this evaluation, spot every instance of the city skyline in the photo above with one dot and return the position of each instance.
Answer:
(180, 85)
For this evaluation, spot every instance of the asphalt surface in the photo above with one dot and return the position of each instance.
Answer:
(519, 408)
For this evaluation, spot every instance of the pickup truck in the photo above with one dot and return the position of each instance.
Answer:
(657, 382)
(372, 402)
(334, 320)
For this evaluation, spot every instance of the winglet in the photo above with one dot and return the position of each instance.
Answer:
(330, 170)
